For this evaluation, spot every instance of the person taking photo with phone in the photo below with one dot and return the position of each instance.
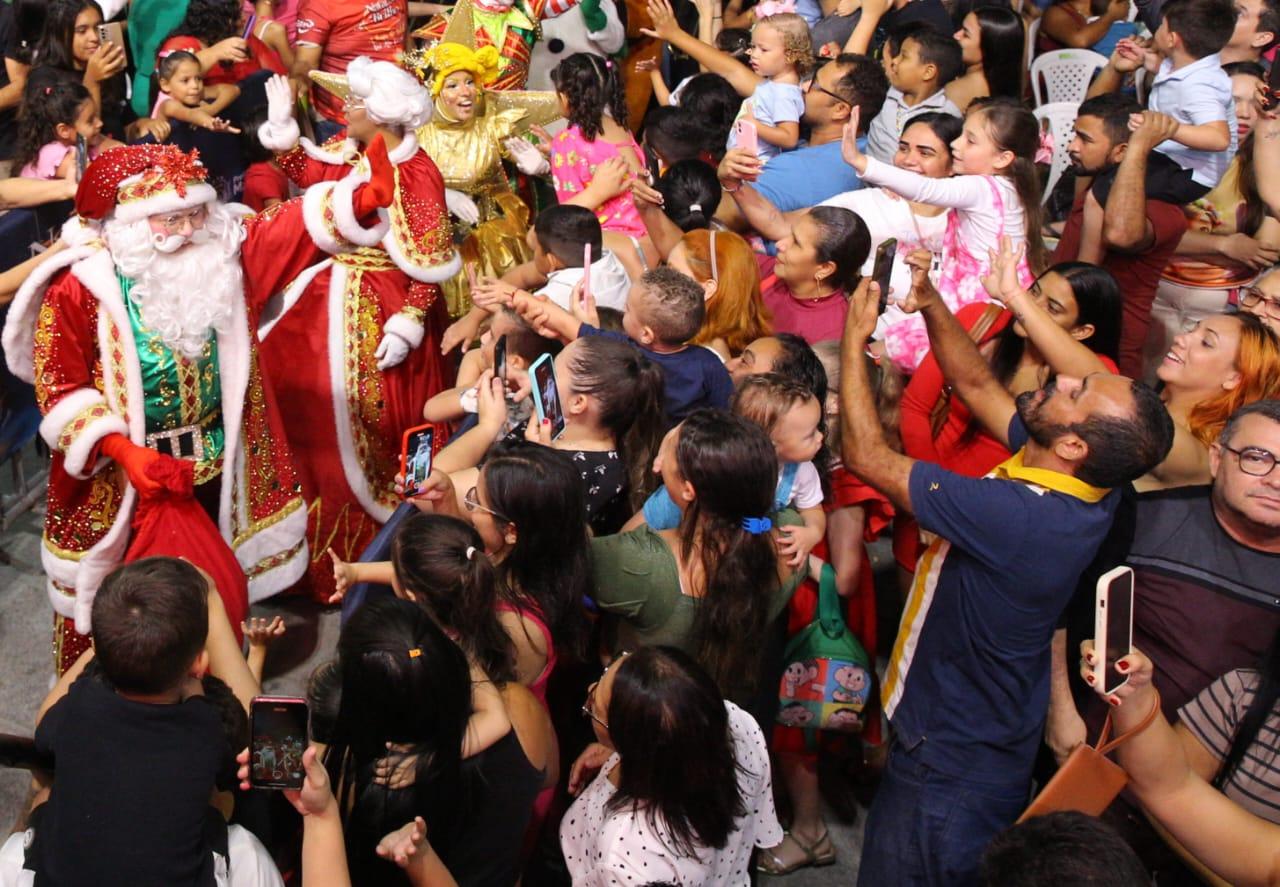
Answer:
(1008, 551)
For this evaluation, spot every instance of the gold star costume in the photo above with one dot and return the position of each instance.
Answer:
(469, 154)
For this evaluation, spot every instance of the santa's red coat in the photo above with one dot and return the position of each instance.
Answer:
(345, 417)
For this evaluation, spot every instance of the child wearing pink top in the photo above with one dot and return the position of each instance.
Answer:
(596, 156)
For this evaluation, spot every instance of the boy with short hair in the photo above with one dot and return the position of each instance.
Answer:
(925, 63)
(664, 310)
(1191, 88)
(557, 239)
(138, 749)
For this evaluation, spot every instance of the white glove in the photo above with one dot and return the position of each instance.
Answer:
(392, 350)
(280, 133)
(529, 160)
(461, 206)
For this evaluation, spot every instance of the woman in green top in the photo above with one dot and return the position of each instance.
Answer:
(713, 585)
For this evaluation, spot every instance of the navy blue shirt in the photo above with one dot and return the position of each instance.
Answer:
(983, 610)
(692, 377)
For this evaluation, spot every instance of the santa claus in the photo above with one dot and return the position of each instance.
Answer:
(140, 342)
(355, 352)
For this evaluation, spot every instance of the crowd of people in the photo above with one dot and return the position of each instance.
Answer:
(585, 404)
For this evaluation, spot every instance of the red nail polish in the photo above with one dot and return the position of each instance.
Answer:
(1122, 666)
(1089, 679)
(1113, 700)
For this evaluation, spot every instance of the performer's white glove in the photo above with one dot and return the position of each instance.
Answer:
(392, 350)
(280, 133)
(461, 206)
(529, 160)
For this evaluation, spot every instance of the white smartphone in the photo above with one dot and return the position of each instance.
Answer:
(1112, 627)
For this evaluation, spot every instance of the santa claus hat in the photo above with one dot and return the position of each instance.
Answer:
(137, 181)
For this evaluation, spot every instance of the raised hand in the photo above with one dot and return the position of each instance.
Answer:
(344, 576)
(849, 149)
(663, 16)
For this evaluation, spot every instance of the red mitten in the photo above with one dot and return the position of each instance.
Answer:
(136, 462)
(381, 187)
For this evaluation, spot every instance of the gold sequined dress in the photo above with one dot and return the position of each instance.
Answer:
(469, 155)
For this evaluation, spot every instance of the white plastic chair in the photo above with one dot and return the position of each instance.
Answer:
(1033, 30)
(1060, 120)
(1066, 73)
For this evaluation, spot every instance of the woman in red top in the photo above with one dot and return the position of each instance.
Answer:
(1082, 299)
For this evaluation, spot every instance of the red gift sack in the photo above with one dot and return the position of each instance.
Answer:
(171, 523)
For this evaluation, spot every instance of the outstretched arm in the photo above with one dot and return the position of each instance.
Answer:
(865, 451)
(1236, 845)
(958, 357)
(665, 27)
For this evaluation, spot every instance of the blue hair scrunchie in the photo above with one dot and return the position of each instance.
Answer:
(757, 525)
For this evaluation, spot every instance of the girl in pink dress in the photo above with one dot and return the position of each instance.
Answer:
(995, 192)
(594, 159)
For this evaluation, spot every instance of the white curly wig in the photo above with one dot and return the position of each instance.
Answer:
(392, 96)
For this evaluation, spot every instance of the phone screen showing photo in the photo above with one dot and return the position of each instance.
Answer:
(546, 397)
(500, 358)
(882, 271)
(1119, 621)
(415, 459)
(279, 727)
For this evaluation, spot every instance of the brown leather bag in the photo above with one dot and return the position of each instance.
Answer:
(942, 406)
(1089, 781)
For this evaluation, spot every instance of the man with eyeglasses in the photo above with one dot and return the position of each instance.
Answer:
(1262, 300)
(1206, 587)
(815, 171)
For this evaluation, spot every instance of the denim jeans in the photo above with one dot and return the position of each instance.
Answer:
(928, 828)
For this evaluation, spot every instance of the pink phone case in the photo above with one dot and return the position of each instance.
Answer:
(586, 273)
(748, 136)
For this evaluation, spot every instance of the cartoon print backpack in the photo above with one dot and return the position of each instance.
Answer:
(828, 679)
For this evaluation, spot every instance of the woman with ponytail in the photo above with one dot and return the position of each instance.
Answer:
(611, 396)
(713, 585)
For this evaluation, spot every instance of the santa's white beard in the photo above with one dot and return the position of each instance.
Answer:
(183, 292)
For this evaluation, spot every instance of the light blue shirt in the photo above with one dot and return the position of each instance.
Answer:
(1196, 94)
(772, 103)
(807, 176)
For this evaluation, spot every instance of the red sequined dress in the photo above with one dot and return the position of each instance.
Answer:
(343, 416)
(69, 332)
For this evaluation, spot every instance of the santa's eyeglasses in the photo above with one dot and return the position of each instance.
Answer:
(175, 222)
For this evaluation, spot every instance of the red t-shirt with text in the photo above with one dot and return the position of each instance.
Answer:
(346, 29)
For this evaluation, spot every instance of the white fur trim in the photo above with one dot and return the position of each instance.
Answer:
(403, 152)
(19, 336)
(76, 455)
(406, 328)
(344, 213)
(313, 202)
(280, 304)
(274, 539)
(422, 273)
(351, 467)
(279, 137)
(166, 202)
(348, 147)
(79, 232)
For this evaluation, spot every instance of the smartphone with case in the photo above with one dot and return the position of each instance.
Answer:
(111, 32)
(546, 398)
(586, 273)
(248, 27)
(415, 457)
(279, 730)
(882, 270)
(748, 136)
(500, 358)
(82, 157)
(1112, 627)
